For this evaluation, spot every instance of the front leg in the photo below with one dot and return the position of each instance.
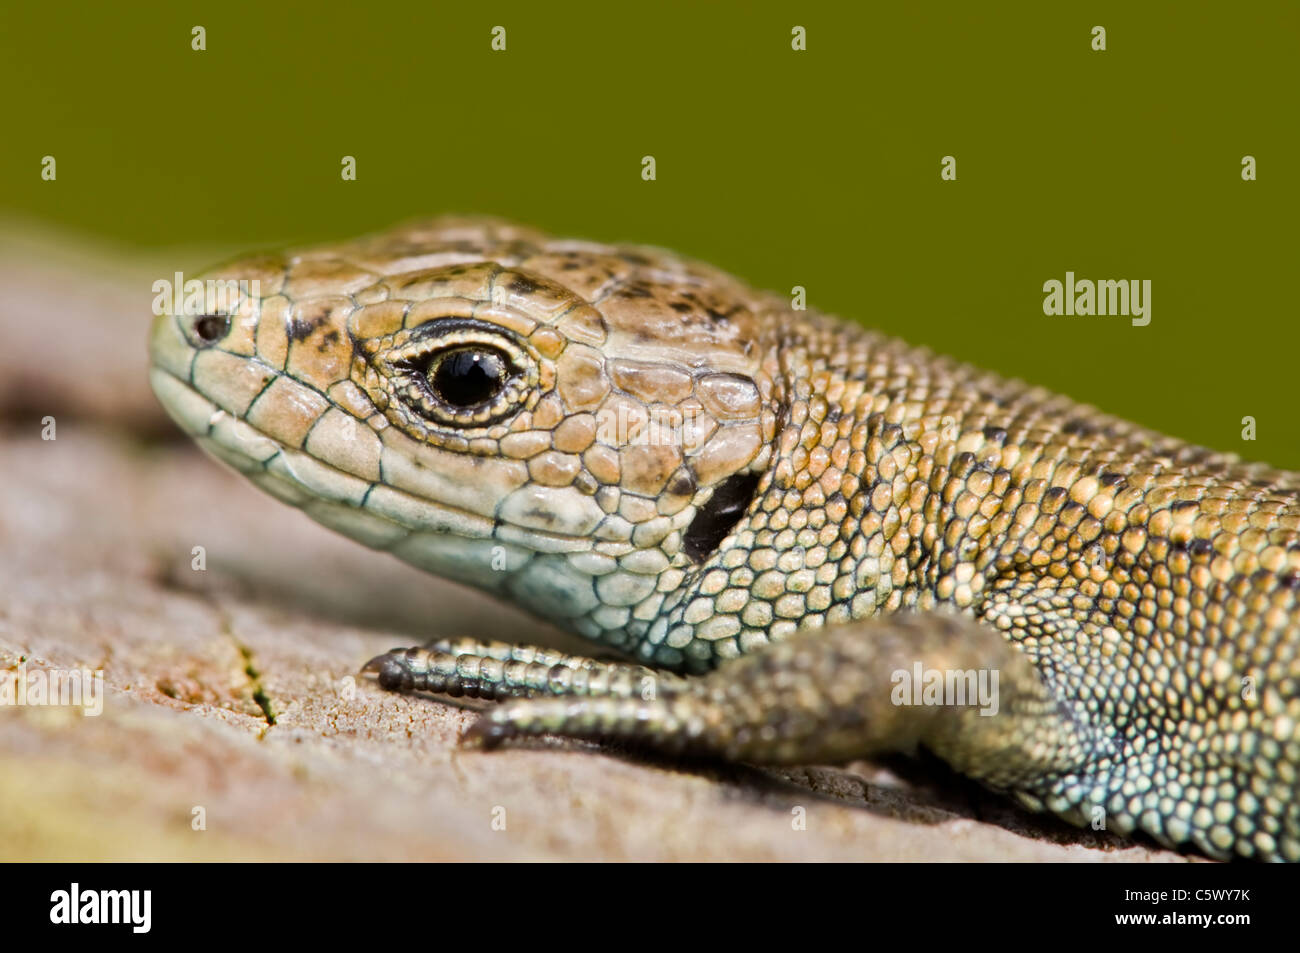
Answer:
(832, 695)
(500, 670)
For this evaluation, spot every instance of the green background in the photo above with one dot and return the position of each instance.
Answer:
(818, 168)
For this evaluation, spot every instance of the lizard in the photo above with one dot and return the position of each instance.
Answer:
(765, 519)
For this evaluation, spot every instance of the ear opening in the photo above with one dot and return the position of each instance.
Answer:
(720, 514)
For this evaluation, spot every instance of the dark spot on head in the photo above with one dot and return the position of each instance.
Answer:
(522, 284)
(638, 289)
(682, 307)
(1200, 548)
(1054, 495)
(1078, 426)
(1289, 580)
(1183, 506)
(299, 329)
(716, 518)
(722, 317)
(1110, 479)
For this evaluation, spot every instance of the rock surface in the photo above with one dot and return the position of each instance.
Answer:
(234, 726)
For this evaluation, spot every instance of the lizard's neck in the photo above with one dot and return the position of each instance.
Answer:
(791, 541)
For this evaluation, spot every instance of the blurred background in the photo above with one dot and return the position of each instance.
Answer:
(234, 725)
(816, 168)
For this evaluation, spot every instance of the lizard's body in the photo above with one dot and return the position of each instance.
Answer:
(672, 465)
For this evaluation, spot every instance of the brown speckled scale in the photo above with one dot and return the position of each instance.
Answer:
(787, 505)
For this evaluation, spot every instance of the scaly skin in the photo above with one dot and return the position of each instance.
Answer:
(672, 465)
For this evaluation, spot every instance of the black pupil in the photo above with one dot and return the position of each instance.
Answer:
(212, 327)
(468, 377)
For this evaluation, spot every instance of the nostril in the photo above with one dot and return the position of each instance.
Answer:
(211, 328)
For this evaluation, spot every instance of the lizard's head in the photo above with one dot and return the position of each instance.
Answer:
(572, 426)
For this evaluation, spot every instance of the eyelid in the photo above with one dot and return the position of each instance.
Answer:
(399, 367)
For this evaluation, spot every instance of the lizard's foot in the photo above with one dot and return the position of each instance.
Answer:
(500, 670)
(835, 694)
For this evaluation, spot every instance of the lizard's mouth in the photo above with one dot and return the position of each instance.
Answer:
(303, 480)
(294, 476)
(441, 538)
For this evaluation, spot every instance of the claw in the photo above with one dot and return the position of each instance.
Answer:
(485, 734)
(388, 668)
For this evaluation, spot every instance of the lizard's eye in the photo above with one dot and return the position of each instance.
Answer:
(466, 377)
(455, 372)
